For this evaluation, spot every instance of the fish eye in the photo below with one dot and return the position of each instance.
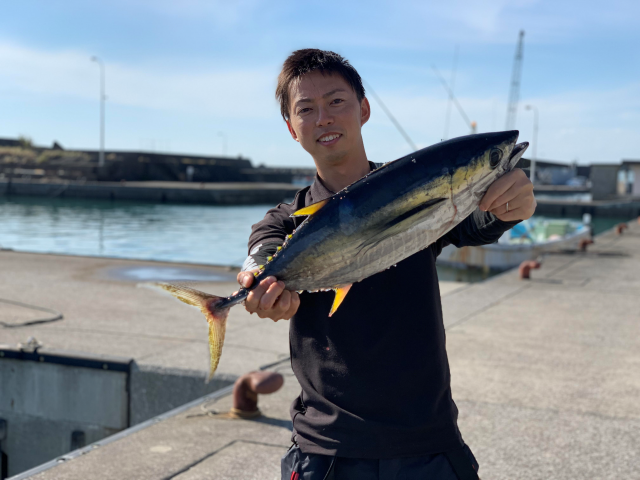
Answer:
(494, 157)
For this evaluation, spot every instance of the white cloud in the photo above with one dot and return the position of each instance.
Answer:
(230, 94)
(595, 125)
(221, 13)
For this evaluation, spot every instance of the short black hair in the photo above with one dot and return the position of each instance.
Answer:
(308, 60)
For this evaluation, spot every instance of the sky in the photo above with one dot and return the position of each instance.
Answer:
(198, 77)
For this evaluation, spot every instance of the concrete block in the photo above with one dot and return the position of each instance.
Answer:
(155, 390)
(64, 393)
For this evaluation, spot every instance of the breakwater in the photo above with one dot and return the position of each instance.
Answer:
(245, 193)
(623, 208)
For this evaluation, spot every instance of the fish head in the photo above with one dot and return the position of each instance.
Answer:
(479, 160)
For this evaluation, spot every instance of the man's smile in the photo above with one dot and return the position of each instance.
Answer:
(329, 138)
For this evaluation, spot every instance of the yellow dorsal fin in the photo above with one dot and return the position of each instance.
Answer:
(340, 294)
(310, 209)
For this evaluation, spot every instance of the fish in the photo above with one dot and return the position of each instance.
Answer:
(369, 226)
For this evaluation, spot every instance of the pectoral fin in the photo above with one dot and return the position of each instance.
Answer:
(404, 221)
(310, 209)
(340, 294)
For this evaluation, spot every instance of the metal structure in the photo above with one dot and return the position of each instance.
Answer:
(102, 99)
(514, 92)
(224, 142)
(534, 157)
(451, 87)
(473, 126)
(391, 117)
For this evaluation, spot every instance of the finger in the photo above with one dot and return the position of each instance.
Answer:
(513, 215)
(517, 214)
(252, 301)
(513, 205)
(269, 298)
(246, 278)
(284, 302)
(509, 196)
(496, 189)
(519, 191)
(281, 306)
(293, 308)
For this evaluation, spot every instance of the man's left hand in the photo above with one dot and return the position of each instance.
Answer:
(510, 198)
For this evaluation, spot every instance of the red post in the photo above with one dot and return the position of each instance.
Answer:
(582, 246)
(621, 227)
(525, 268)
(247, 388)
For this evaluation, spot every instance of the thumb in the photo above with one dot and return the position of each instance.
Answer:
(246, 278)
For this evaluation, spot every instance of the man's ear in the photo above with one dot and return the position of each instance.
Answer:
(365, 111)
(292, 131)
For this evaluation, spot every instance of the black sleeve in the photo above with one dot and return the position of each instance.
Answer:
(479, 228)
(258, 255)
(269, 233)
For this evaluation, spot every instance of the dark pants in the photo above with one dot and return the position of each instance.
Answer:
(297, 465)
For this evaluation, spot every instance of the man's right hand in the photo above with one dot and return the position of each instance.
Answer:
(269, 299)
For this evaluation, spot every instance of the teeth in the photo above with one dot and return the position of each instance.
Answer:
(328, 138)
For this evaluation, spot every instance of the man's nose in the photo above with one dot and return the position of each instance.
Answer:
(324, 117)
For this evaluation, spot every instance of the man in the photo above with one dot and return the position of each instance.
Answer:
(376, 399)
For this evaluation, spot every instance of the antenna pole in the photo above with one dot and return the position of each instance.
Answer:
(451, 85)
(453, 98)
(391, 117)
(514, 92)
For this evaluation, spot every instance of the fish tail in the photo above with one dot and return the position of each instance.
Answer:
(216, 315)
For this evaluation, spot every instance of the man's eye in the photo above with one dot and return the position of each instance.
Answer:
(337, 100)
(304, 110)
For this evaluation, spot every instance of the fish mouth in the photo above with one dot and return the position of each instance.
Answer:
(516, 153)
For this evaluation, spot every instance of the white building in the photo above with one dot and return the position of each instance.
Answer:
(632, 168)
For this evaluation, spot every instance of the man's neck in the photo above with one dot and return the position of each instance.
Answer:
(336, 177)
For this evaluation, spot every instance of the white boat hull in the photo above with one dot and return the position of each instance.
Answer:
(505, 256)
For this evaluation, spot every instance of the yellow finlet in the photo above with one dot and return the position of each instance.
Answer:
(340, 294)
(311, 209)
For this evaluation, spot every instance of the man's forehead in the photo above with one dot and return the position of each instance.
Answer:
(315, 85)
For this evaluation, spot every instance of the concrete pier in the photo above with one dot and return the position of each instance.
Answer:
(108, 320)
(620, 208)
(545, 373)
(220, 193)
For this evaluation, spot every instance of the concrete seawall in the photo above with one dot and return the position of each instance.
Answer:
(626, 208)
(159, 192)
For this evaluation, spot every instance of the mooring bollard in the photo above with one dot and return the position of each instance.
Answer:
(525, 268)
(621, 227)
(246, 390)
(582, 246)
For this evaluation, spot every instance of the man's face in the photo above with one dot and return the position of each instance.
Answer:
(325, 116)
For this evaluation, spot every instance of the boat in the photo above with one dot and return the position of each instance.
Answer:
(526, 241)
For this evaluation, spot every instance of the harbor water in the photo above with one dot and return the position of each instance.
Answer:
(199, 234)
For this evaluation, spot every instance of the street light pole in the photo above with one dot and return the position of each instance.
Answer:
(535, 141)
(102, 99)
(224, 142)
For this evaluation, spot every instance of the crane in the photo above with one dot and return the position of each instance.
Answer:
(514, 92)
